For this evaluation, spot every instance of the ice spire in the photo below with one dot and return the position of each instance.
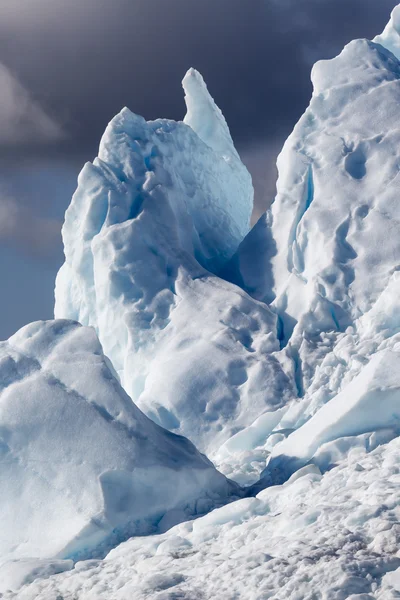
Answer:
(204, 116)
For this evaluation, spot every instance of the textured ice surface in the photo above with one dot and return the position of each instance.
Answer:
(327, 254)
(294, 377)
(371, 402)
(80, 465)
(163, 201)
(331, 537)
(337, 198)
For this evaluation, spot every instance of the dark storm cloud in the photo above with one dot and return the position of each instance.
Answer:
(84, 60)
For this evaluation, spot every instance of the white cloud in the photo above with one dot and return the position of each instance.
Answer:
(22, 120)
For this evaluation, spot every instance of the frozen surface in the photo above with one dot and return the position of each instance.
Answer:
(278, 354)
(337, 199)
(337, 194)
(371, 402)
(330, 537)
(326, 256)
(80, 466)
(163, 201)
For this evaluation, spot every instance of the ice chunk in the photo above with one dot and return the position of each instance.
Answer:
(329, 247)
(337, 191)
(163, 201)
(369, 403)
(81, 466)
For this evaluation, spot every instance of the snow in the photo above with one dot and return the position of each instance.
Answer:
(331, 536)
(80, 461)
(163, 201)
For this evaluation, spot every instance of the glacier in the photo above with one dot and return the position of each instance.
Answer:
(275, 350)
(325, 242)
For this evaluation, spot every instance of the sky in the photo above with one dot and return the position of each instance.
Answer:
(66, 68)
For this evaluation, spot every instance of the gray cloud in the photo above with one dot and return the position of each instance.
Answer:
(27, 232)
(85, 59)
(260, 159)
(22, 120)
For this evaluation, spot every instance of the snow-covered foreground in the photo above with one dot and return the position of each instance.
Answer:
(330, 537)
(276, 352)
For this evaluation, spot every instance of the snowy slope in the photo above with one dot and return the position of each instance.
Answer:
(330, 537)
(163, 201)
(80, 466)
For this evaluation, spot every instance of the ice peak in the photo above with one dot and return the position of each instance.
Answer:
(204, 116)
(390, 36)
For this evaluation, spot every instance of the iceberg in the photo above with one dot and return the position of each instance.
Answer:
(82, 464)
(153, 220)
(276, 350)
